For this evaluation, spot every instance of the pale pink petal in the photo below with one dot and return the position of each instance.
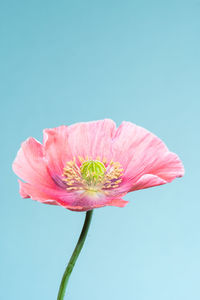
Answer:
(29, 164)
(147, 181)
(92, 139)
(57, 149)
(30, 191)
(117, 202)
(168, 166)
(143, 153)
(46, 195)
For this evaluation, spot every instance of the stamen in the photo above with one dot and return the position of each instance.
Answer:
(92, 175)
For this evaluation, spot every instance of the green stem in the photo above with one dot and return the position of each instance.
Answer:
(75, 255)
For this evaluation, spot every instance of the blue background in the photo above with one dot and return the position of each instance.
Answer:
(69, 61)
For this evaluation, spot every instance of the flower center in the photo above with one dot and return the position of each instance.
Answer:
(92, 171)
(92, 175)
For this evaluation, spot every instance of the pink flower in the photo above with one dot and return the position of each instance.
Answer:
(94, 164)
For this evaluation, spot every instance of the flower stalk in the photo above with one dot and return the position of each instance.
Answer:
(75, 255)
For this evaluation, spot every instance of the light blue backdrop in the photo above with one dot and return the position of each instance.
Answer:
(69, 61)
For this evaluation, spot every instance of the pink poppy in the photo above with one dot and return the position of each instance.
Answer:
(93, 164)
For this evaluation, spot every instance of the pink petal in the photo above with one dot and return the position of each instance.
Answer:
(92, 139)
(44, 194)
(29, 163)
(30, 191)
(57, 149)
(147, 181)
(117, 202)
(142, 154)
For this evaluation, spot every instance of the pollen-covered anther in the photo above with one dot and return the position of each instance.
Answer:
(113, 176)
(72, 176)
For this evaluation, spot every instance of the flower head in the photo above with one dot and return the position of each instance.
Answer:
(93, 164)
